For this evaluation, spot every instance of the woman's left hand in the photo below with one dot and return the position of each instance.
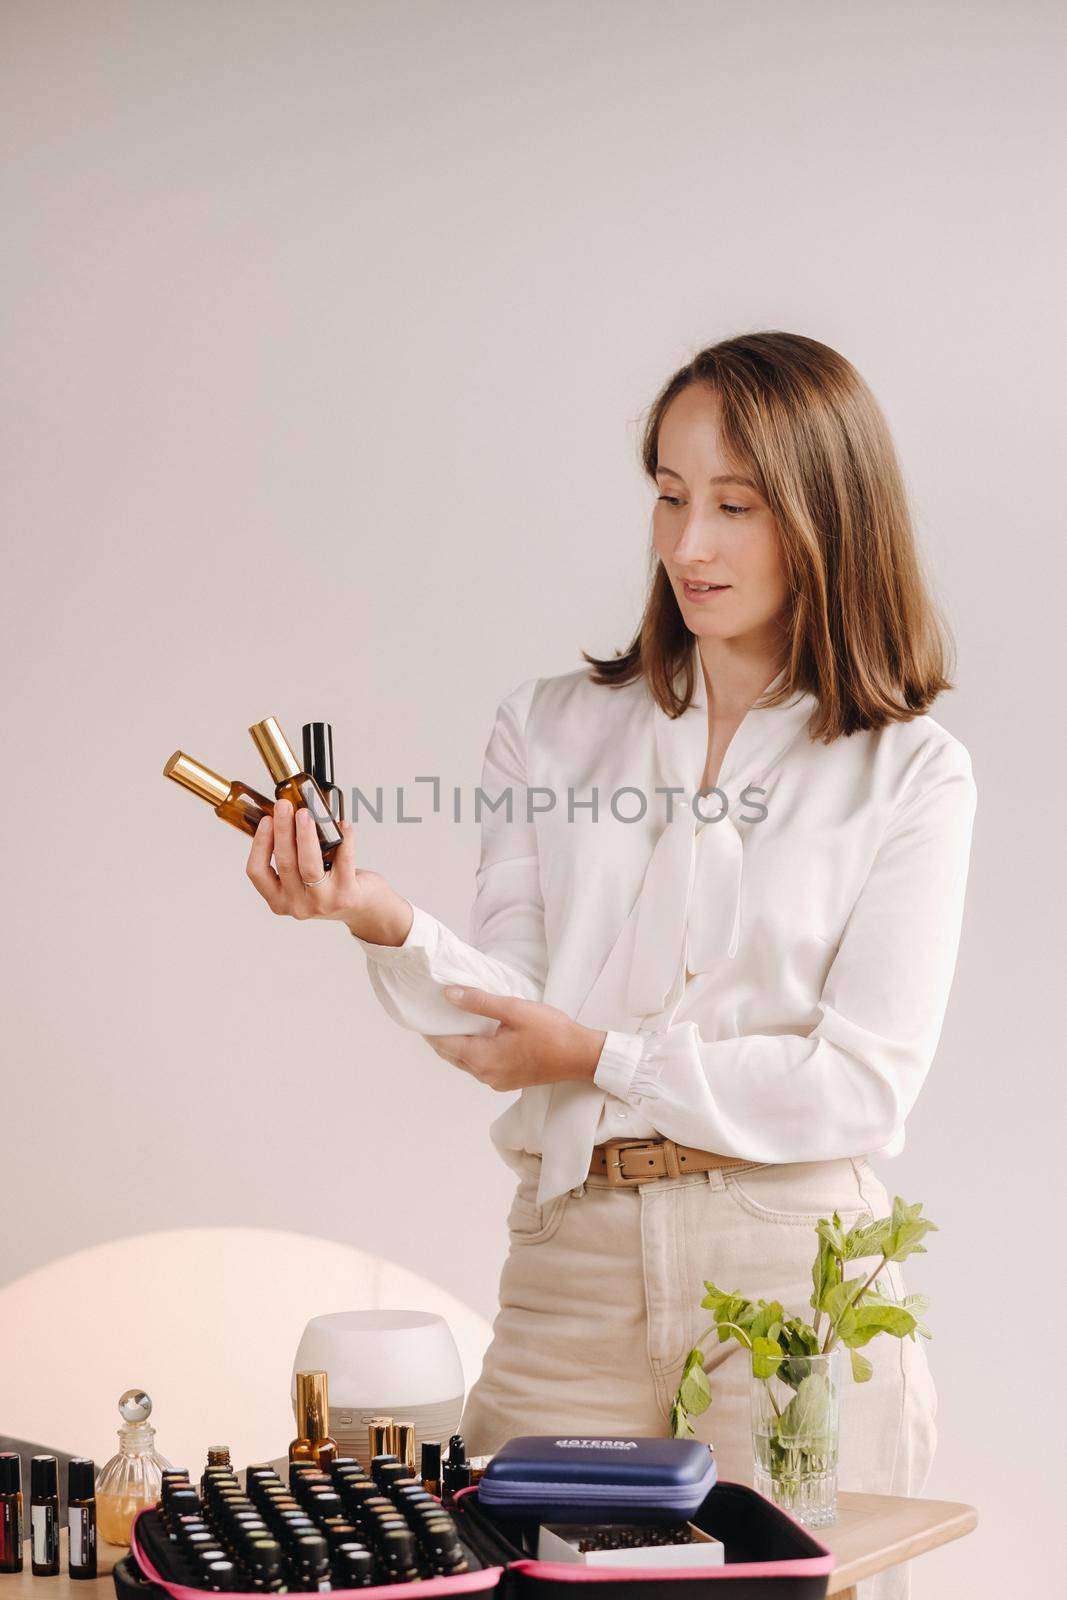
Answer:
(534, 1043)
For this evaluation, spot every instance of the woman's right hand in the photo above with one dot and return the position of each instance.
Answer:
(363, 900)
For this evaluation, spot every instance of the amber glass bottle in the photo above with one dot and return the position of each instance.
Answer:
(300, 1449)
(318, 1420)
(10, 1511)
(235, 802)
(294, 784)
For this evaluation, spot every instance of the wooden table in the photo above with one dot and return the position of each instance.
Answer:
(872, 1532)
(102, 1587)
(875, 1531)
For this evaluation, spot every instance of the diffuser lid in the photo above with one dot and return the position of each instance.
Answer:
(382, 1358)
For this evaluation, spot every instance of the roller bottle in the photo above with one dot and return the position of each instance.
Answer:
(10, 1511)
(81, 1518)
(44, 1515)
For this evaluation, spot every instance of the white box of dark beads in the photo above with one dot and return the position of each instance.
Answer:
(669, 1544)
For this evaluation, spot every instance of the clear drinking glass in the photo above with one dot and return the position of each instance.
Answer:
(795, 1436)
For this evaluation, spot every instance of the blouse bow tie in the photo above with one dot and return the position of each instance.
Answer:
(689, 916)
(689, 912)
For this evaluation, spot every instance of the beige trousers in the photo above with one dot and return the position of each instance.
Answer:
(600, 1303)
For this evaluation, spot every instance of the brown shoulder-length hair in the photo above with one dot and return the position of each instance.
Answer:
(863, 633)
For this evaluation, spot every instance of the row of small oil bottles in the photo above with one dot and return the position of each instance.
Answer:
(44, 1515)
(127, 1483)
(308, 785)
(341, 1528)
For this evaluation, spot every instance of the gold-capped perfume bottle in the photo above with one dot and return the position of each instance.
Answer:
(294, 784)
(234, 802)
(133, 1478)
(300, 1448)
(313, 1442)
(323, 1445)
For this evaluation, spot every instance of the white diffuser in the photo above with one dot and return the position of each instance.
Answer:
(401, 1364)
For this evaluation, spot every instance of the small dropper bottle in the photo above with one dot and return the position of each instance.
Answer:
(235, 802)
(292, 783)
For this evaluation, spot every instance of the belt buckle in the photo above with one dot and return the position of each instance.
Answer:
(613, 1163)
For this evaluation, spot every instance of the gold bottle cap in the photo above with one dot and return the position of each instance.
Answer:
(380, 1436)
(275, 749)
(301, 1405)
(201, 780)
(316, 1405)
(404, 1443)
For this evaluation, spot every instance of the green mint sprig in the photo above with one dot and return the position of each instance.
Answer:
(849, 1311)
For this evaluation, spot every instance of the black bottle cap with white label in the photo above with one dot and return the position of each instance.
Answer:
(44, 1477)
(81, 1479)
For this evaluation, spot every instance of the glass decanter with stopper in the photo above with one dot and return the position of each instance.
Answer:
(133, 1478)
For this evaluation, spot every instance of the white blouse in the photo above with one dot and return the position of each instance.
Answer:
(771, 961)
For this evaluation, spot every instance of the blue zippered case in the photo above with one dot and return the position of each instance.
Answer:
(579, 1479)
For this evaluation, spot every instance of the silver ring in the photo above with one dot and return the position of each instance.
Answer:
(315, 881)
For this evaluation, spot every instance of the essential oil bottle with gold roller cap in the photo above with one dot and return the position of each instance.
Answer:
(235, 802)
(294, 784)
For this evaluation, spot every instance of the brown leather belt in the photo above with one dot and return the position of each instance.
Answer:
(625, 1161)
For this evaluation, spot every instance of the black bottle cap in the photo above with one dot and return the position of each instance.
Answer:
(417, 1496)
(264, 1551)
(44, 1477)
(457, 1450)
(398, 1549)
(10, 1472)
(318, 752)
(81, 1479)
(312, 1549)
(354, 1565)
(390, 1472)
(431, 1458)
(220, 1574)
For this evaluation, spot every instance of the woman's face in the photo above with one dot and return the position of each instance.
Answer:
(713, 527)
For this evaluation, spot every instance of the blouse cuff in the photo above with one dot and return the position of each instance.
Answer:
(420, 943)
(617, 1062)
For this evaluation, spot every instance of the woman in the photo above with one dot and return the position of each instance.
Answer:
(720, 895)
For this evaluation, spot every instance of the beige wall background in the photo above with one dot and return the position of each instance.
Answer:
(328, 328)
